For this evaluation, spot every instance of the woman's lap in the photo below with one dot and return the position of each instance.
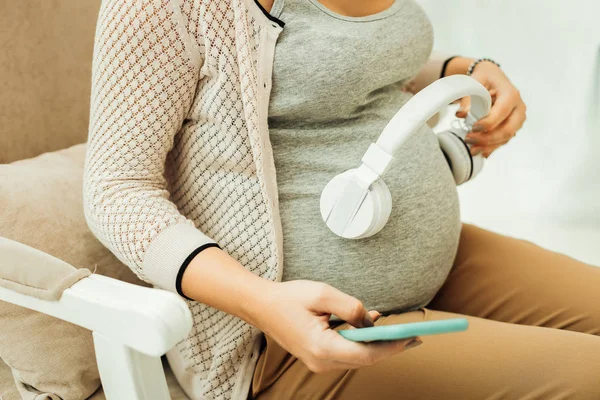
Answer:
(513, 293)
(491, 360)
(511, 280)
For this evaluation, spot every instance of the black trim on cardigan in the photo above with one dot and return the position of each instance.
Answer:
(272, 18)
(185, 265)
(443, 74)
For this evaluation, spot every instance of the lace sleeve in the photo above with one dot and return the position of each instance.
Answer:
(145, 71)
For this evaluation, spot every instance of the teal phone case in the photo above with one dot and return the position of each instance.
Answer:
(404, 331)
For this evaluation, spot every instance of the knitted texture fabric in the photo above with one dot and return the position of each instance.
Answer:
(174, 159)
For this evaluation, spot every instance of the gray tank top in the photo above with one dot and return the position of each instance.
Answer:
(336, 83)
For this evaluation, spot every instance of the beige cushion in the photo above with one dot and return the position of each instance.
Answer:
(9, 392)
(45, 77)
(48, 357)
(41, 203)
(42, 207)
(34, 273)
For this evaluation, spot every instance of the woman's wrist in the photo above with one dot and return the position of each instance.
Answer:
(458, 66)
(462, 65)
(215, 278)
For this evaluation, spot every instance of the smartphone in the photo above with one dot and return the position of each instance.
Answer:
(405, 331)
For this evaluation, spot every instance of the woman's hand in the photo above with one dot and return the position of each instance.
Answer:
(296, 315)
(506, 117)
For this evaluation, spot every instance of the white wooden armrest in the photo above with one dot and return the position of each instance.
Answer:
(150, 321)
(132, 327)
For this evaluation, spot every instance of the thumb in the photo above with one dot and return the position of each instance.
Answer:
(465, 106)
(374, 314)
(346, 307)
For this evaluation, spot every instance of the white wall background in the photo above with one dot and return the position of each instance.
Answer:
(545, 185)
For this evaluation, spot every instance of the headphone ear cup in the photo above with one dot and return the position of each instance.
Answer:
(459, 157)
(383, 198)
(371, 216)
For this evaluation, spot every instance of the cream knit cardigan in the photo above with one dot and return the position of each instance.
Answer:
(179, 156)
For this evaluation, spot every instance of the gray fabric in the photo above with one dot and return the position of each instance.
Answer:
(336, 84)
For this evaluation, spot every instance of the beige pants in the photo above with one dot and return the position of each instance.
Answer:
(534, 331)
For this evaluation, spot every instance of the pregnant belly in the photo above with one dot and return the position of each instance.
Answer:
(401, 267)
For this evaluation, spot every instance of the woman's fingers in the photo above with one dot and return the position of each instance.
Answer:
(465, 107)
(487, 142)
(332, 350)
(374, 315)
(347, 351)
(336, 365)
(506, 101)
(484, 151)
(332, 301)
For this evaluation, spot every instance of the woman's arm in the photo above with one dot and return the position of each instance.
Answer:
(438, 66)
(295, 314)
(435, 68)
(457, 66)
(145, 71)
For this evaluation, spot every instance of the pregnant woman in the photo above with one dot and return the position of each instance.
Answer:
(215, 126)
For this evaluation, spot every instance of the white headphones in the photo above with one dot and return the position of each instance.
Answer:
(357, 203)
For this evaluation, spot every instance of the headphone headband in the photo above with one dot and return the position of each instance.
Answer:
(415, 113)
(428, 102)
